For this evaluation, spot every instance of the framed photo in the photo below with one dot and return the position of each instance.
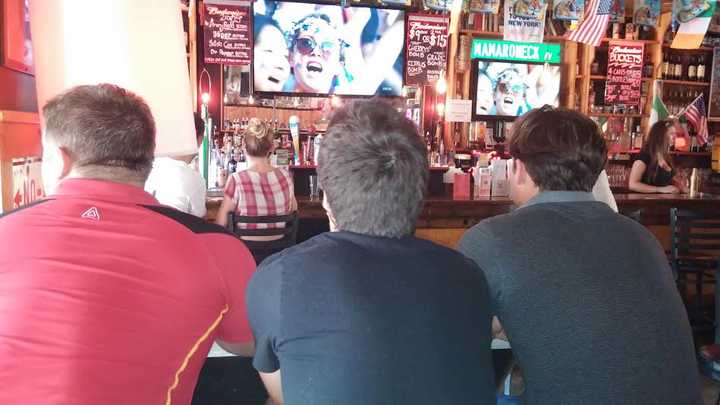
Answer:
(236, 84)
(17, 51)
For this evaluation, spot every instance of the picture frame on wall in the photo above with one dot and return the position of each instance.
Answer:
(16, 44)
(236, 84)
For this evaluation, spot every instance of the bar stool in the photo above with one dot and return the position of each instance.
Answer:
(695, 248)
(261, 249)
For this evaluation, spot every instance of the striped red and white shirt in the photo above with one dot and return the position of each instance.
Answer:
(261, 194)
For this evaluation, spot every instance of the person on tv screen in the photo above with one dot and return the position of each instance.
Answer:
(271, 65)
(315, 54)
(484, 101)
(510, 93)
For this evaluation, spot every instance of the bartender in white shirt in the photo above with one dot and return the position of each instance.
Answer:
(175, 183)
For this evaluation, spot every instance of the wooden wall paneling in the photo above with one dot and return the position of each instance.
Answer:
(569, 72)
(588, 55)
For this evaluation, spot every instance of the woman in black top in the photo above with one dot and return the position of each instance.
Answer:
(652, 171)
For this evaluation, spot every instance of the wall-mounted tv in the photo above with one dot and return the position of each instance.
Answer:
(507, 90)
(315, 49)
(510, 78)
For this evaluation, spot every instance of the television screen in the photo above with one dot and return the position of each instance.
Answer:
(319, 49)
(508, 90)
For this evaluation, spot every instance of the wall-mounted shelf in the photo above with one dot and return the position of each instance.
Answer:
(601, 77)
(686, 83)
(494, 34)
(643, 41)
(701, 49)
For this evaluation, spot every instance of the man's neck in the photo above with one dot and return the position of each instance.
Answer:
(114, 175)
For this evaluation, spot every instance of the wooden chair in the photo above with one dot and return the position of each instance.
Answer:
(695, 248)
(262, 249)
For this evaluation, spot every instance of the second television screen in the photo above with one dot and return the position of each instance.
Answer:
(505, 89)
(303, 48)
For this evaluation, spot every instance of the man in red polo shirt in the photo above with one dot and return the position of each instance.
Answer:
(107, 297)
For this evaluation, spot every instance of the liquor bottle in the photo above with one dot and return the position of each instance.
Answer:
(666, 66)
(678, 68)
(692, 69)
(232, 163)
(638, 143)
(648, 67)
(700, 73)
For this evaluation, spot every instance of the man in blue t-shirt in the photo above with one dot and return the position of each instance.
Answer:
(585, 295)
(367, 313)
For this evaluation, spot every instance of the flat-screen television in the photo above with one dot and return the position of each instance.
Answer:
(320, 49)
(505, 90)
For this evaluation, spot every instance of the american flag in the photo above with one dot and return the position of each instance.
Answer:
(695, 114)
(592, 30)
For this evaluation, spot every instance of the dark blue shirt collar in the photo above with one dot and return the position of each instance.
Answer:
(560, 197)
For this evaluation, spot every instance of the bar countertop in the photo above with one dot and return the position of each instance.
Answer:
(446, 212)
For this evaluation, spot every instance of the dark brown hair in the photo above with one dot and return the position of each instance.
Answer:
(373, 168)
(102, 125)
(258, 138)
(657, 144)
(562, 149)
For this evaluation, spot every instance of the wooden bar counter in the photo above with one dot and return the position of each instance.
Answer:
(444, 220)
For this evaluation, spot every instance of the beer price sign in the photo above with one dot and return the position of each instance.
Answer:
(624, 74)
(426, 48)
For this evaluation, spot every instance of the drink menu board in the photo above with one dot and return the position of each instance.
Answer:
(714, 103)
(227, 32)
(624, 73)
(426, 48)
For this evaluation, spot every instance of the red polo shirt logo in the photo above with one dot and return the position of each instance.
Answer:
(91, 213)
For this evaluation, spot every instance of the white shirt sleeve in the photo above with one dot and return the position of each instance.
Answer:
(601, 191)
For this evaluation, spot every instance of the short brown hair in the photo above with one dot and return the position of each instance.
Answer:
(562, 149)
(373, 168)
(102, 125)
(258, 138)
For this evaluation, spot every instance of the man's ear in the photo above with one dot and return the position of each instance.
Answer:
(67, 162)
(521, 174)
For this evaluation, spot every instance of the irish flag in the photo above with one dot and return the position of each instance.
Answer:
(690, 34)
(659, 111)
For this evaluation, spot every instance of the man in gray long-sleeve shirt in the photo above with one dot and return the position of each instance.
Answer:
(585, 296)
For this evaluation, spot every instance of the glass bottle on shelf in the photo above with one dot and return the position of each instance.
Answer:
(595, 67)
(232, 163)
(648, 67)
(666, 66)
(678, 68)
(692, 69)
(700, 73)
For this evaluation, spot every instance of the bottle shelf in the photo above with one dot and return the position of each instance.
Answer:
(611, 115)
(701, 49)
(640, 41)
(495, 34)
(633, 152)
(687, 83)
(601, 77)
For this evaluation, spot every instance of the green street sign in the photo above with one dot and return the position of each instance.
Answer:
(515, 51)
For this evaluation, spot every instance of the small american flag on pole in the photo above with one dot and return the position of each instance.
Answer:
(592, 30)
(695, 114)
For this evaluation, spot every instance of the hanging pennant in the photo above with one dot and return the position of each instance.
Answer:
(521, 28)
(646, 12)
